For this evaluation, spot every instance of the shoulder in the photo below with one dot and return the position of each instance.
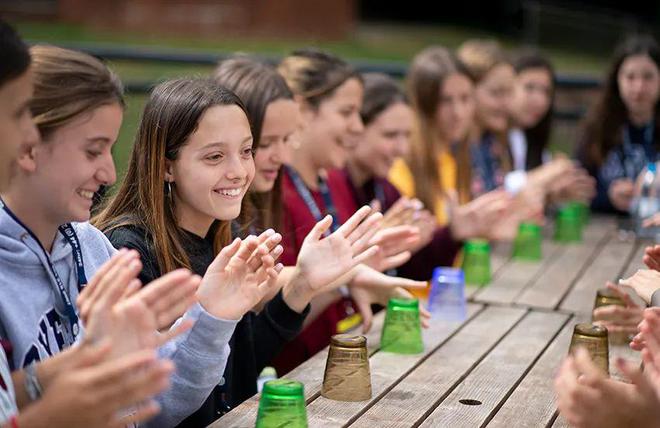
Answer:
(133, 237)
(92, 240)
(401, 177)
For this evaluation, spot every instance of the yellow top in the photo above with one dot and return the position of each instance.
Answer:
(401, 176)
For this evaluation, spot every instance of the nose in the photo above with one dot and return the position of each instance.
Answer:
(281, 154)
(236, 170)
(356, 126)
(106, 174)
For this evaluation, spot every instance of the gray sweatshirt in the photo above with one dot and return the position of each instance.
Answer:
(33, 314)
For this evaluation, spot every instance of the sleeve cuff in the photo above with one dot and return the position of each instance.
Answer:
(283, 316)
(209, 334)
(655, 298)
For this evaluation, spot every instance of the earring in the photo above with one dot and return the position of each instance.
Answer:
(168, 192)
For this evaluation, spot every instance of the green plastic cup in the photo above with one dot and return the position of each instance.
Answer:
(527, 245)
(476, 262)
(568, 226)
(582, 209)
(282, 404)
(402, 332)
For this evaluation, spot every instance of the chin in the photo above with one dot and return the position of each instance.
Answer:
(228, 214)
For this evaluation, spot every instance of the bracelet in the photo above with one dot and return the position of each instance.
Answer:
(32, 385)
(12, 422)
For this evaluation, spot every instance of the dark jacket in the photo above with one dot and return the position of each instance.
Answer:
(256, 340)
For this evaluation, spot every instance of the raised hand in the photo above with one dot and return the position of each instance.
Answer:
(93, 392)
(395, 245)
(370, 286)
(587, 398)
(619, 319)
(322, 261)
(482, 217)
(401, 212)
(240, 276)
(645, 282)
(652, 257)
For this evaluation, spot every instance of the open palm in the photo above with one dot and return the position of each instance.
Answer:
(323, 260)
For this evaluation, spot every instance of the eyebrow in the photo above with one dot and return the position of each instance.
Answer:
(222, 143)
(99, 139)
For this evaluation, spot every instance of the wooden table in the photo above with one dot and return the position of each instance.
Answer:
(497, 367)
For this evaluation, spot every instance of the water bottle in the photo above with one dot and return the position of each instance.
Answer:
(646, 203)
(268, 373)
(447, 295)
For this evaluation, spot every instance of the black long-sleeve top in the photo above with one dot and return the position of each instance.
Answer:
(257, 337)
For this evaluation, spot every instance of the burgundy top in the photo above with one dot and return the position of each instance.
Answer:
(442, 249)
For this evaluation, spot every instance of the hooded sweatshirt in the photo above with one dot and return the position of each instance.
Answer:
(34, 319)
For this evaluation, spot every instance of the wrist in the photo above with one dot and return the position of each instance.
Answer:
(297, 293)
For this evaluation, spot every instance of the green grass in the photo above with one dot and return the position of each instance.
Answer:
(377, 42)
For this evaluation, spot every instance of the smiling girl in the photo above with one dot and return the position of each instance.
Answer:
(46, 242)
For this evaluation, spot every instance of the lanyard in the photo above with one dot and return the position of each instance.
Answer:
(627, 153)
(72, 239)
(484, 163)
(379, 194)
(307, 197)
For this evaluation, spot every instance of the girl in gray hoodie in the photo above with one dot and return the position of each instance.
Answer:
(48, 251)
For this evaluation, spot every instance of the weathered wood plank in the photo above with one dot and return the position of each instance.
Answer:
(386, 369)
(420, 391)
(533, 401)
(310, 374)
(490, 382)
(547, 290)
(515, 276)
(606, 267)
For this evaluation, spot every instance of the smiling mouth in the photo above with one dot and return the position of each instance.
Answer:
(230, 192)
(86, 194)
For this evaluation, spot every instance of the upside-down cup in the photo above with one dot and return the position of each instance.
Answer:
(282, 404)
(527, 245)
(402, 331)
(476, 262)
(594, 339)
(347, 376)
(606, 297)
(568, 226)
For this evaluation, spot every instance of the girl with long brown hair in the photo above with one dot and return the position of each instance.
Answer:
(329, 95)
(621, 132)
(49, 245)
(191, 166)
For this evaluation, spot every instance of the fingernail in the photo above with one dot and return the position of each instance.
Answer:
(135, 265)
(269, 232)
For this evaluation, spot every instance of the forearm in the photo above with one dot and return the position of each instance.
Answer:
(200, 356)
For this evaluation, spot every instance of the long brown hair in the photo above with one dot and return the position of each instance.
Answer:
(602, 128)
(481, 56)
(426, 76)
(171, 115)
(257, 84)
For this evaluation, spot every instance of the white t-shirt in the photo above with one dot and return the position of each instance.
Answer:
(8, 406)
(518, 146)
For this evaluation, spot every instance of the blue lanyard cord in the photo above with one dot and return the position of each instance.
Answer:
(379, 194)
(72, 238)
(485, 164)
(307, 197)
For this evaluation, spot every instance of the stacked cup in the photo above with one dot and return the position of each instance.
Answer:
(594, 339)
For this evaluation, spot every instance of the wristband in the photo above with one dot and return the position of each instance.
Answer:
(12, 422)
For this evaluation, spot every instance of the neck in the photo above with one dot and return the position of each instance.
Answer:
(640, 118)
(358, 175)
(33, 217)
(302, 162)
(197, 224)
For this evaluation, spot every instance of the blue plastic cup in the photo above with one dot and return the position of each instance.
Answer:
(447, 296)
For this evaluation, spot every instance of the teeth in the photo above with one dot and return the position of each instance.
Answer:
(230, 192)
(86, 194)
